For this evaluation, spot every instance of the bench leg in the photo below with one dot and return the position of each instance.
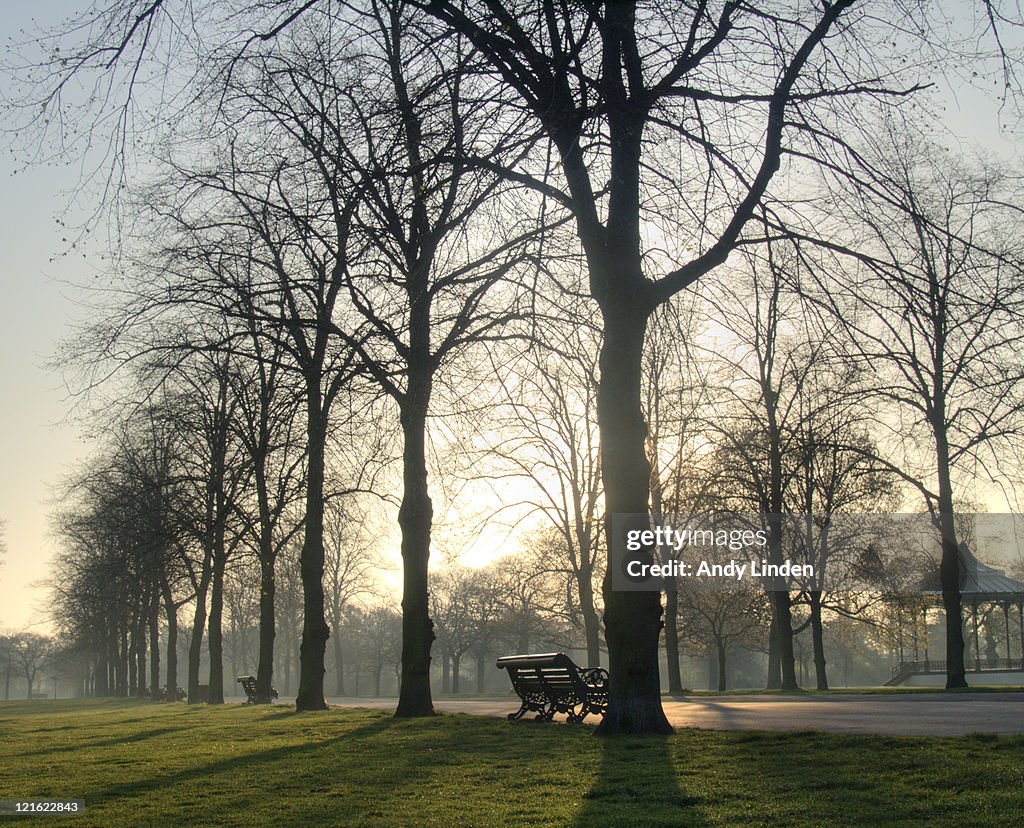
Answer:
(519, 713)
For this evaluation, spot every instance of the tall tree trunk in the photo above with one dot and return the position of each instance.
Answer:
(268, 580)
(315, 631)
(216, 633)
(591, 621)
(782, 614)
(675, 676)
(140, 653)
(818, 641)
(132, 658)
(268, 629)
(415, 517)
(123, 657)
(171, 611)
(154, 645)
(339, 666)
(481, 671)
(780, 599)
(195, 645)
(774, 680)
(113, 664)
(286, 658)
(98, 664)
(236, 639)
(720, 651)
(675, 679)
(632, 619)
(456, 669)
(949, 566)
(105, 682)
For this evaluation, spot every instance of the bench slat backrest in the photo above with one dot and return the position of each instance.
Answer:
(551, 673)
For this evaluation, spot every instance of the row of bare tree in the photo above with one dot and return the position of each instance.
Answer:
(360, 207)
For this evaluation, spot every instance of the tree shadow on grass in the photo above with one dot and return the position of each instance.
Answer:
(246, 766)
(638, 784)
(117, 741)
(851, 779)
(50, 707)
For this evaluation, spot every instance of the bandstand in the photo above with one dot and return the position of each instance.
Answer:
(981, 587)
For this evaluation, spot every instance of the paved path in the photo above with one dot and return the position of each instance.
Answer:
(925, 714)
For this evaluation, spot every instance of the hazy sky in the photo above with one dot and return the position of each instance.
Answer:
(37, 306)
(35, 309)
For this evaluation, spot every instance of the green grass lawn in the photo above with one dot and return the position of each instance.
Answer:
(138, 763)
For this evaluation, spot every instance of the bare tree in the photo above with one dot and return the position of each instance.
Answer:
(546, 434)
(837, 477)
(349, 564)
(719, 618)
(796, 443)
(438, 248)
(676, 398)
(218, 475)
(378, 631)
(533, 603)
(7, 660)
(385, 182)
(117, 520)
(277, 245)
(268, 429)
(30, 652)
(242, 588)
(609, 86)
(934, 303)
(760, 452)
(463, 605)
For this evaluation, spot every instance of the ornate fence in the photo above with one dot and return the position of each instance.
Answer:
(972, 665)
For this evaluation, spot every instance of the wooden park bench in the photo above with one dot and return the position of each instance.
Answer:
(551, 683)
(249, 686)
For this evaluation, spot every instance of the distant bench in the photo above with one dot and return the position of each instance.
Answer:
(551, 683)
(249, 686)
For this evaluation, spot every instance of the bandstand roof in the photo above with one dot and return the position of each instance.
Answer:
(980, 582)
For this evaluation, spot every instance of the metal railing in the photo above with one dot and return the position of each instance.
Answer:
(971, 665)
